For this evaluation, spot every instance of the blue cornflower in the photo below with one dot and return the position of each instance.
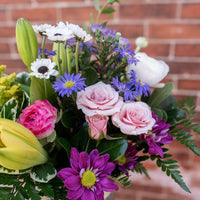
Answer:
(126, 52)
(107, 33)
(97, 27)
(46, 52)
(69, 83)
(140, 87)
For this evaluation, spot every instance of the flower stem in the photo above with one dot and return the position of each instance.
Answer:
(59, 61)
(68, 60)
(100, 11)
(43, 43)
(76, 56)
(45, 88)
(87, 145)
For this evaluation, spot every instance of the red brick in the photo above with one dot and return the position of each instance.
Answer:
(4, 48)
(2, 15)
(184, 67)
(189, 84)
(7, 2)
(187, 50)
(48, 1)
(174, 31)
(7, 32)
(157, 49)
(81, 14)
(14, 66)
(35, 14)
(128, 31)
(158, 11)
(191, 11)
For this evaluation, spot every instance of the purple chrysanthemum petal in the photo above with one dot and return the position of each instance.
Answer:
(72, 182)
(108, 185)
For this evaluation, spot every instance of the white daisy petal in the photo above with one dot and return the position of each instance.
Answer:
(41, 29)
(43, 68)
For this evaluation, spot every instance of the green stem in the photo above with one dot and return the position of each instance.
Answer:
(45, 88)
(43, 44)
(100, 11)
(76, 56)
(137, 49)
(59, 61)
(87, 145)
(68, 60)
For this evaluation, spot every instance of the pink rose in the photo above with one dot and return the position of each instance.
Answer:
(97, 124)
(99, 99)
(39, 118)
(134, 118)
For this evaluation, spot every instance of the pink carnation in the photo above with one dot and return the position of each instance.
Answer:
(39, 118)
(97, 124)
(99, 99)
(134, 118)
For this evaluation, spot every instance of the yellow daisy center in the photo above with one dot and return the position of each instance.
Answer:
(88, 178)
(122, 159)
(69, 84)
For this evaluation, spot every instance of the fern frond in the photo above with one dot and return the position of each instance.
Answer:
(141, 169)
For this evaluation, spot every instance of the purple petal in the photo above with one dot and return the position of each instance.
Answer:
(73, 182)
(108, 185)
(74, 194)
(74, 158)
(99, 163)
(99, 196)
(109, 168)
(84, 161)
(88, 195)
(66, 172)
(93, 155)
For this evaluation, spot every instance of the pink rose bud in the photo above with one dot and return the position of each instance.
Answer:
(134, 118)
(39, 118)
(97, 125)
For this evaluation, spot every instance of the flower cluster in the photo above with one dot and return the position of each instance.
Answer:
(87, 114)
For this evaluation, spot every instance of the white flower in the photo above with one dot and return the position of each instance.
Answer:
(43, 68)
(78, 32)
(59, 34)
(149, 70)
(41, 29)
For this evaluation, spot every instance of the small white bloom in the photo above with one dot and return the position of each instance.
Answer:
(59, 34)
(43, 68)
(41, 29)
(141, 42)
(149, 70)
(78, 32)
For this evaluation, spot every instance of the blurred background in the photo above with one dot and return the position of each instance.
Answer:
(173, 30)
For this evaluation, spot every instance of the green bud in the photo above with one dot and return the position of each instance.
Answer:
(27, 44)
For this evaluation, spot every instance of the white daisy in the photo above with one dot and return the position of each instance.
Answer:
(43, 68)
(41, 29)
(59, 34)
(79, 33)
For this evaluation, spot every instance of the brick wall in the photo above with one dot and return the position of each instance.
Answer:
(173, 30)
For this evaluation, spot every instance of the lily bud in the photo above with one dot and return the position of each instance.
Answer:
(19, 148)
(27, 44)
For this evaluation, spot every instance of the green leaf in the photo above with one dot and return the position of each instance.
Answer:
(26, 40)
(9, 109)
(160, 94)
(91, 18)
(43, 173)
(113, 1)
(175, 115)
(37, 91)
(108, 10)
(90, 74)
(116, 148)
(10, 171)
(96, 5)
(141, 169)
(46, 190)
(65, 144)
(25, 81)
(67, 119)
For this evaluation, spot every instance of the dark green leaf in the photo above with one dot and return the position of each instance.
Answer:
(66, 145)
(67, 119)
(160, 94)
(90, 74)
(116, 148)
(108, 10)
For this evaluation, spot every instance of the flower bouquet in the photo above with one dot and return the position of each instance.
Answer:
(87, 113)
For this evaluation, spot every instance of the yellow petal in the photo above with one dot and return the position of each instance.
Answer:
(18, 159)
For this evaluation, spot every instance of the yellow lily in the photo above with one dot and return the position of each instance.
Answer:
(19, 148)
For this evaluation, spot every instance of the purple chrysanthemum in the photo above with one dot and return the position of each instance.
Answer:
(69, 83)
(158, 135)
(129, 159)
(87, 179)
